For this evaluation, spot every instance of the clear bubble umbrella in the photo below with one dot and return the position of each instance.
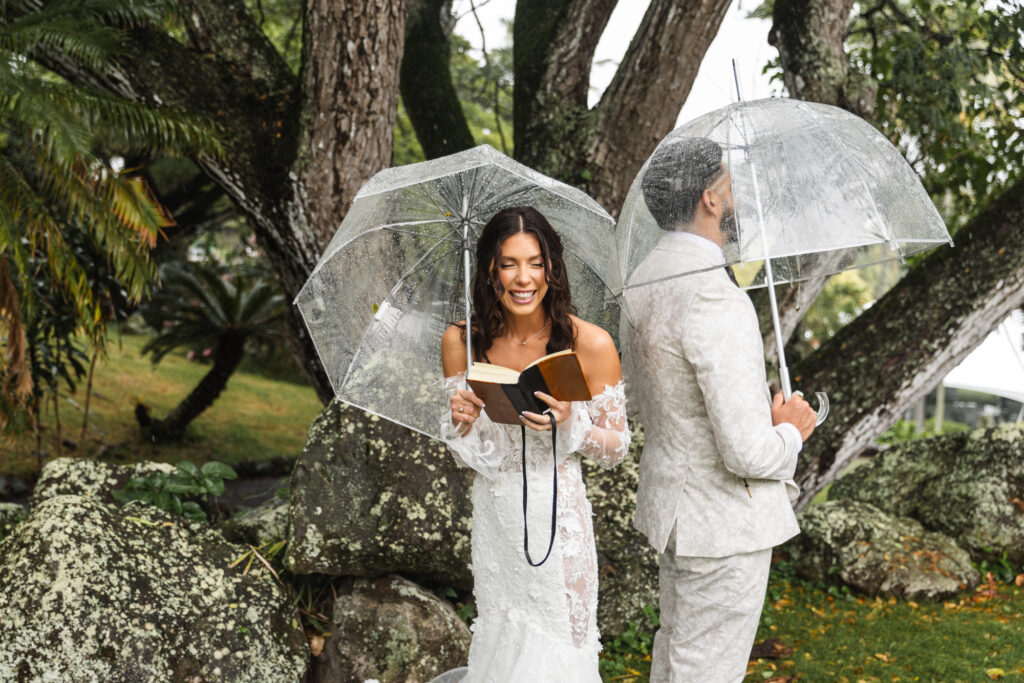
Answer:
(816, 190)
(397, 273)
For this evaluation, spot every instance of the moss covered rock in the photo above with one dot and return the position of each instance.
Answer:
(81, 477)
(391, 630)
(370, 497)
(93, 592)
(968, 486)
(854, 543)
(627, 564)
(10, 515)
(267, 522)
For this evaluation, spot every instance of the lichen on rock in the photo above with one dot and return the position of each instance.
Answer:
(968, 486)
(84, 477)
(855, 543)
(370, 497)
(391, 630)
(93, 592)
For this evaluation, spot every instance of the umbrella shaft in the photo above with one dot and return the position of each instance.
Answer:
(465, 281)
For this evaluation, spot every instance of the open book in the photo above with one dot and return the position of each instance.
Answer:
(506, 393)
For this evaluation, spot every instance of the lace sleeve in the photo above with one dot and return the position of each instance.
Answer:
(598, 428)
(483, 448)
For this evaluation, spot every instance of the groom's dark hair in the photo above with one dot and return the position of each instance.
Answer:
(676, 176)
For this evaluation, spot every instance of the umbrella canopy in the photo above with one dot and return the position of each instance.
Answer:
(394, 275)
(815, 188)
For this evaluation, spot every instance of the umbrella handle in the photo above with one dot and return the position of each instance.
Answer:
(822, 410)
(822, 407)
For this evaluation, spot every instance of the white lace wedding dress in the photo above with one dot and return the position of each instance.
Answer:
(536, 624)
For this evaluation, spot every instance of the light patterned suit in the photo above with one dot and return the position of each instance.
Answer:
(694, 365)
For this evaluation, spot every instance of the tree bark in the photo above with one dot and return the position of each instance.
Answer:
(896, 351)
(426, 80)
(650, 86)
(297, 149)
(552, 49)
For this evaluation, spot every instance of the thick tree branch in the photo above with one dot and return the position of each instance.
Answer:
(226, 30)
(897, 350)
(643, 101)
(426, 81)
(553, 48)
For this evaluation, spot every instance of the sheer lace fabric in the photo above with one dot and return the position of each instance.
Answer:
(536, 623)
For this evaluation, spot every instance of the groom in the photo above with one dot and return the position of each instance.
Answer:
(718, 448)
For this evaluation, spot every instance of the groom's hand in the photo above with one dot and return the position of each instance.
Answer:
(560, 409)
(796, 411)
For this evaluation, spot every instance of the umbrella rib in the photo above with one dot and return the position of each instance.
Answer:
(405, 276)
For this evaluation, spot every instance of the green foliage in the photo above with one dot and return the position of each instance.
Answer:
(200, 305)
(60, 173)
(999, 566)
(950, 82)
(171, 492)
(906, 430)
(844, 298)
(485, 91)
(631, 649)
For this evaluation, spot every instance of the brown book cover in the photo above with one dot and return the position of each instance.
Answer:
(506, 393)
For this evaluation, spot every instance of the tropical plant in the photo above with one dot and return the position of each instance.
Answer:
(59, 169)
(180, 491)
(215, 315)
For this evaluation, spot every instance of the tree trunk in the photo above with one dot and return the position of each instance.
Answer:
(297, 149)
(876, 367)
(226, 357)
(88, 398)
(426, 80)
(641, 105)
(59, 436)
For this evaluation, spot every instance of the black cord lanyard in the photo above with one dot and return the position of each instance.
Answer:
(554, 494)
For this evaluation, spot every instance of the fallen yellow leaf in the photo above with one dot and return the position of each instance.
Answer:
(884, 656)
(995, 674)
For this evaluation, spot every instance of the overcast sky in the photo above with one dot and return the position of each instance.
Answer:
(742, 39)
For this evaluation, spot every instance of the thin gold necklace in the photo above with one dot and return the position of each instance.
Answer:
(523, 343)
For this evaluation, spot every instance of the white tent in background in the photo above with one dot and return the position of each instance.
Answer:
(997, 365)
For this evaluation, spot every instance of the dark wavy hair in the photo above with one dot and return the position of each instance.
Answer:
(677, 175)
(489, 317)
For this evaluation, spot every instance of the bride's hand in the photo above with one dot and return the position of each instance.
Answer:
(466, 407)
(560, 409)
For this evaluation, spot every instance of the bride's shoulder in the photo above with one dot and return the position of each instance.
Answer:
(592, 340)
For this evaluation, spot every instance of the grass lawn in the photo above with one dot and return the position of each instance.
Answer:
(838, 636)
(253, 419)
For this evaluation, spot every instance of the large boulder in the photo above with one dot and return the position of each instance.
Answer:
(370, 497)
(390, 630)
(91, 478)
(877, 553)
(968, 486)
(627, 564)
(93, 592)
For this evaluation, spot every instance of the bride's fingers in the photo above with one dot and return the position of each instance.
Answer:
(470, 397)
(541, 423)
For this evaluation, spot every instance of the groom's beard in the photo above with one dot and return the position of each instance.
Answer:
(728, 227)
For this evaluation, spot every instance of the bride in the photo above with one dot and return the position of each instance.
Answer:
(534, 623)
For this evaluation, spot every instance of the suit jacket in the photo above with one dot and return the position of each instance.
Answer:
(694, 365)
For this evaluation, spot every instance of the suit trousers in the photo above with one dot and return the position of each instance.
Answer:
(710, 608)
